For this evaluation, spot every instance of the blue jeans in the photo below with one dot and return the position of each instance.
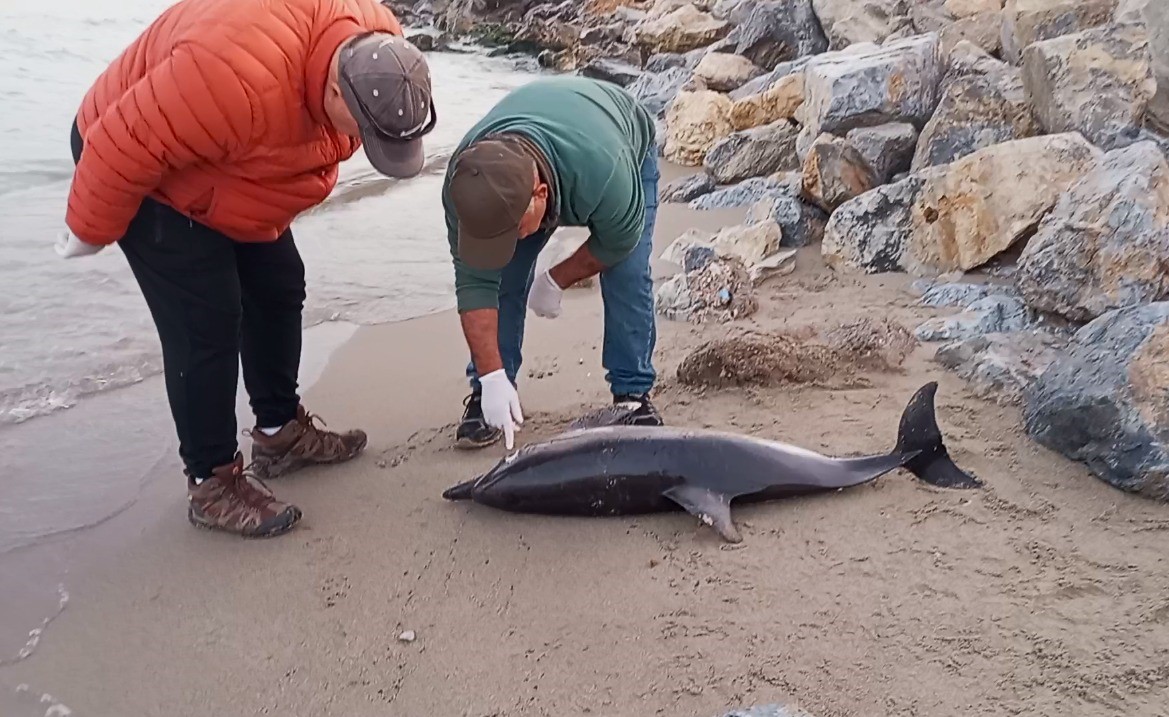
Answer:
(627, 293)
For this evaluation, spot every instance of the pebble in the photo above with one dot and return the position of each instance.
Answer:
(407, 636)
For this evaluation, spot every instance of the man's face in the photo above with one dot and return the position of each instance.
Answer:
(536, 208)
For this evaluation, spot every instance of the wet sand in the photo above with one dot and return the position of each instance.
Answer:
(1043, 594)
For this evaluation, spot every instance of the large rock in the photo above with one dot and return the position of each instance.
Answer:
(835, 172)
(870, 233)
(847, 22)
(749, 243)
(661, 8)
(983, 30)
(779, 30)
(615, 71)
(1105, 245)
(801, 224)
(1097, 82)
(957, 216)
(778, 102)
(686, 188)
(873, 85)
(1000, 367)
(994, 314)
(979, 108)
(694, 123)
(723, 72)
(888, 149)
(746, 193)
(1028, 21)
(657, 90)
(460, 16)
(969, 211)
(684, 29)
(1154, 15)
(969, 8)
(1105, 401)
(772, 78)
(753, 153)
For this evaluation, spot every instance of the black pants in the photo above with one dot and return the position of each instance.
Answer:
(215, 303)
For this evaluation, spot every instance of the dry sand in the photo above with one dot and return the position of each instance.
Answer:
(1046, 593)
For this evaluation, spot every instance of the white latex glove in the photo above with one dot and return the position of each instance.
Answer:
(544, 298)
(501, 405)
(69, 246)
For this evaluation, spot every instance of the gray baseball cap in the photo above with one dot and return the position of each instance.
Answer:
(385, 81)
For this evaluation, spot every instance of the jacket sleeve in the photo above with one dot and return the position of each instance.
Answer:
(189, 108)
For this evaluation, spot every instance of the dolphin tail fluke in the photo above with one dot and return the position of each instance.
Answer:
(462, 491)
(710, 507)
(919, 433)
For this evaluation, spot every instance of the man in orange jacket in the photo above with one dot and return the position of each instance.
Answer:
(195, 151)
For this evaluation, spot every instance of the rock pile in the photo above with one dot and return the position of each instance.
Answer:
(920, 136)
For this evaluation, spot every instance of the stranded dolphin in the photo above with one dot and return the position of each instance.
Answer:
(625, 470)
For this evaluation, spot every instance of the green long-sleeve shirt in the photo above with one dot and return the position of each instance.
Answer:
(595, 136)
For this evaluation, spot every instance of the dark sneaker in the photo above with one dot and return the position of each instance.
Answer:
(473, 430)
(300, 443)
(645, 415)
(234, 500)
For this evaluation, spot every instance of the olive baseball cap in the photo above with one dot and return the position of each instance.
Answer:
(385, 82)
(491, 187)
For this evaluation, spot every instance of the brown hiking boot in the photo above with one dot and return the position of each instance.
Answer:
(300, 443)
(235, 501)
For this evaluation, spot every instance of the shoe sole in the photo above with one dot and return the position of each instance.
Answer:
(293, 514)
(469, 444)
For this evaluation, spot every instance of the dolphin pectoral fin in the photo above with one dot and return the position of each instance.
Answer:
(710, 507)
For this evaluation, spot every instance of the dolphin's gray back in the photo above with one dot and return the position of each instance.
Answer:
(650, 460)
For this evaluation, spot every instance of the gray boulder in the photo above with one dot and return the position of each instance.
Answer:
(847, 22)
(615, 71)
(657, 90)
(1000, 367)
(1097, 82)
(871, 232)
(870, 85)
(1105, 245)
(776, 31)
(888, 149)
(993, 314)
(685, 189)
(745, 193)
(959, 293)
(668, 61)
(802, 224)
(980, 106)
(753, 153)
(1104, 401)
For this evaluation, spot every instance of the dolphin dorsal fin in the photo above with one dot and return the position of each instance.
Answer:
(710, 507)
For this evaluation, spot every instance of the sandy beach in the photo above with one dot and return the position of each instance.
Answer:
(1045, 593)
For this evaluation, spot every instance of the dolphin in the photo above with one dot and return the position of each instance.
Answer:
(629, 470)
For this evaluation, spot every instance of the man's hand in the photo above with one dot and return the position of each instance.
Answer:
(544, 298)
(501, 405)
(69, 246)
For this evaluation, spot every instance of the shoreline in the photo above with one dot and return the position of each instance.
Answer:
(654, 615)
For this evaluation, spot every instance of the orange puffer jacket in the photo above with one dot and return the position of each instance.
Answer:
(217, 110)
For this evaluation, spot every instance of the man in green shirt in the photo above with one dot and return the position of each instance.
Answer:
(563, 151)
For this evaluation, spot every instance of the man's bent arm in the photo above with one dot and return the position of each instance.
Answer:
(581, 265)
(481, 329)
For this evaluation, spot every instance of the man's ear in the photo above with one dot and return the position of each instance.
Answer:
(542, 191)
